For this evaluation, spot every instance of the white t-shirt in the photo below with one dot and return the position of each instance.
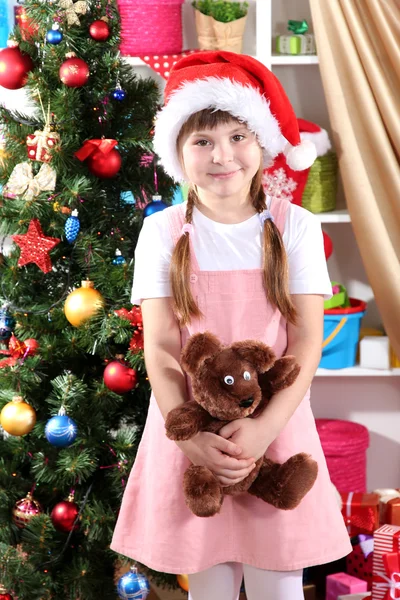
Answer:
(225, 247)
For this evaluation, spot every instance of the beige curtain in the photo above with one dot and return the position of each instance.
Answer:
(358, 45)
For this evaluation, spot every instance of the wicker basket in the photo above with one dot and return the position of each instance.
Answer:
(320, 191)
(150, 27)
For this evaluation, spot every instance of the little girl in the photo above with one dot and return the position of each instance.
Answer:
(243, 266)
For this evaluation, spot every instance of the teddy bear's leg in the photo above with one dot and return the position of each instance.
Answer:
(284, 486)
(203, 492)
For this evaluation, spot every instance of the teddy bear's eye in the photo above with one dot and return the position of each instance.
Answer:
(246, 376)
(229, 380)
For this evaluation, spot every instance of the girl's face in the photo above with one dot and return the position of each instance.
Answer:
(222, 161)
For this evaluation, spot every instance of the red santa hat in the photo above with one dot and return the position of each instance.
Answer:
(237, 84)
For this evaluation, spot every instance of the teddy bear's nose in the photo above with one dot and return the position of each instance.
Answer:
(247, 403)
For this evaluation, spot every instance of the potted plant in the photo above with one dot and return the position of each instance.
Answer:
(220, 24)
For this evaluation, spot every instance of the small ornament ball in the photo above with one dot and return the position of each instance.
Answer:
(7, 323)
(119, 259)
(18, 417)
(31, 346)
(14, 67)
(54, 35)
(119, 94)
(4, 595)
(104, 166)
(74, 72)
(82, 304)
(133, 585)
(119, 378)
(24, 510)
(99, 30)
(61, 430)
(64, 514)
(154, 206)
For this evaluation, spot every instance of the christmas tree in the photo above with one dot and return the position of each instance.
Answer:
(73, 389)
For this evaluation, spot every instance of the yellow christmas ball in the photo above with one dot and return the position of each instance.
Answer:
(82, 304)
(183, 581)
(18, 417)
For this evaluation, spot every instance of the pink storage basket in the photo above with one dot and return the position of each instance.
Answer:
(150, 27)
(345, 448)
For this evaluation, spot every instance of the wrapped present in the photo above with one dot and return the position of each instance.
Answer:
(389, 506)
(386, 563)
(298, 41)
(41, 143)
(359, 561)
(360, 512)
(342, 583)
(295, 44)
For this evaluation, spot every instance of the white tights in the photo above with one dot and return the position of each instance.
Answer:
(223, 582)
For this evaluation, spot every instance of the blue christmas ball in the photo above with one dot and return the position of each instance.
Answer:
(61, 431)
(54, 36)
(154, 206)
(119, 94)
(133, 585)
(7, 324)
(119, 259)
(72, 226)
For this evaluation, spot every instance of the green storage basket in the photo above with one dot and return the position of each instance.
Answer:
(320, 190)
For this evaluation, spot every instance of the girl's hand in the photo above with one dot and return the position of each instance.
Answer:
(218, 455)
(250, 434)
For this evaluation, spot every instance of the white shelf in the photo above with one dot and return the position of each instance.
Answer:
(357, 372)
(334, 216)
(301, 59)
(134, 61)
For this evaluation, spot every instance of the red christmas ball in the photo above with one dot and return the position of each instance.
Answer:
(4, 595)
(14, 68)
(32, 346)
(64, 514)
(328, 246)
(99, 30)
(103, 165)
(119, 378)
(74, 72)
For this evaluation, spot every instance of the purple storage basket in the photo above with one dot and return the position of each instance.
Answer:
(345, 448)
(150, 27)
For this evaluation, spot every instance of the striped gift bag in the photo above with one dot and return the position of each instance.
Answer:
(386, 563)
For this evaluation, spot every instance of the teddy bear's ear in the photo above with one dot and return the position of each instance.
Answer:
(199, 347)
(258, 354)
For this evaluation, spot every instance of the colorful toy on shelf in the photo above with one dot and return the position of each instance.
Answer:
(342, 323)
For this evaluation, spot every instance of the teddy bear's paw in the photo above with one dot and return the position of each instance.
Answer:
(203, 492)
(295, 478)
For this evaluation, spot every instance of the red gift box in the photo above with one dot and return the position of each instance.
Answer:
(359, 565)
(386, 563)
(40, 144)
(360, 512)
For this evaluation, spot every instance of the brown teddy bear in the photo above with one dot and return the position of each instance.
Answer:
(228, 383)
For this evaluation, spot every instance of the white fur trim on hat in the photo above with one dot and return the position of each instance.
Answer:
(300, 157)
(243, 102)
(320, 139)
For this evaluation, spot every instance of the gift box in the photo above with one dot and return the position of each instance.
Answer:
(360, 512)
(342, 583)
(386, 563)
(40, 144)
(359, 561)
(295, 44)
(389, 506)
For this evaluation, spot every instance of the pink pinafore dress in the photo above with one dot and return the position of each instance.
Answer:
(154, 525)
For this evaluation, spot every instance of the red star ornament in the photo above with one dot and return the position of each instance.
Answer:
(35, 247)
